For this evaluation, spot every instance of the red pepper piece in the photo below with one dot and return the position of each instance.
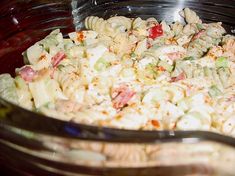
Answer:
(181, 76)
(198, 35)
(122, 96)
(27, 73)
(55, 60)
(155, 31)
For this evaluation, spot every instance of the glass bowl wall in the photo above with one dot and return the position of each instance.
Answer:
(33, 144)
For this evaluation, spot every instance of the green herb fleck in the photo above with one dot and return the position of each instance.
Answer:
(133, 54)
(60, 67)
(199, 26)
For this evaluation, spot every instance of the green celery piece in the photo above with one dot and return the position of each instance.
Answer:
(68, 43)
(199, 26)
(25, 58)
(8, 88)
(206, 71)
(151, 71)
(133, 54)
(221, 62)
(101, 65)
(60, 67)
(50, 40)
(214, 91)
(224, 75)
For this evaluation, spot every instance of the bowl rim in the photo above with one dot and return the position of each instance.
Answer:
(42, 124)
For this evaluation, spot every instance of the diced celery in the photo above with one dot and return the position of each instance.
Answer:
(60, 67)
(133, 54)
(183, 66)
(101, 65)
(8, 88)
(50, 40)
(39, 93)
(214, 91)
(221, 62)
(25, 58)
(33, 53)
(199, 26)
(206, 71)
(150, 71)
(24, 95)
(224, 75)
(68, 43)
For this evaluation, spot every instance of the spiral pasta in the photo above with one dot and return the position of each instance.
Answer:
(229, 46)
(121, 44)
(120, 22)
(205, 39)
(221, 77)
(190, 16)
(71, 85)
(99, 25)
(139, 27)
(110, 27)
(177, 28)
(122, 152)
(138, 23)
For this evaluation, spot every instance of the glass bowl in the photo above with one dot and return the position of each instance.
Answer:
(33, 144)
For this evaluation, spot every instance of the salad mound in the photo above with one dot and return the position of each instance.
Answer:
(132, 73)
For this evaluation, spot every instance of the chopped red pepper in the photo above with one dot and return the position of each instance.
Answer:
(121, 96)
(27, 73)
(55, 60)
(155, 31)
(181, 76)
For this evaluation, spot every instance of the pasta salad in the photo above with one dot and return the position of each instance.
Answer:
(132, 73)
